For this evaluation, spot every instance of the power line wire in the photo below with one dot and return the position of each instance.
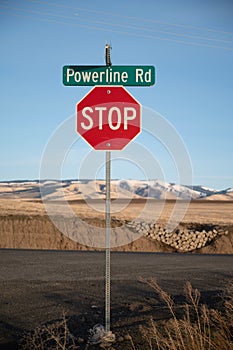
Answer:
(138, 19)
(117, 25)
(133, 17)
(106, 29)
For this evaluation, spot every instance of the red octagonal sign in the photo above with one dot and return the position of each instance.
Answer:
(108, 117)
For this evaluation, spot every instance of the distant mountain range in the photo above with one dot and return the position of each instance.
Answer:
(95, 189)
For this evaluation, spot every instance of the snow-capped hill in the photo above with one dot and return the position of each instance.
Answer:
(203, 190)
(158, 189)
(96, 189)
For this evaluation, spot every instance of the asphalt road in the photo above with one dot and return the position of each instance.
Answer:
(37, 286)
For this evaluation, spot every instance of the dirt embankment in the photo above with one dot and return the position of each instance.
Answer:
(38, 232)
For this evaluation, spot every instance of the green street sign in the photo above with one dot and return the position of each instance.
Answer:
(108, 75)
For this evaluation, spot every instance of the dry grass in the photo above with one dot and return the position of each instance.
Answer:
(192, 326)
(55, 336)
(200, 328)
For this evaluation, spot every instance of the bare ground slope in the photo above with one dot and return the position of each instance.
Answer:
(25, 224)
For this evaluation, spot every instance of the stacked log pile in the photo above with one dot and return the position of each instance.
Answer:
(183, 238)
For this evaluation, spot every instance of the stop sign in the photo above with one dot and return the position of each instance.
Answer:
(108, 117)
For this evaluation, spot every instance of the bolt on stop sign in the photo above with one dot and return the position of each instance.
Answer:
(108, 117)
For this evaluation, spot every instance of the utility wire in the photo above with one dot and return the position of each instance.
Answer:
(104, 29)
(118, 25)
(133, 17)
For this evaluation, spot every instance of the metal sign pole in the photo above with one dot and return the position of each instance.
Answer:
(108, 228)
(107, 217)
(99, 334)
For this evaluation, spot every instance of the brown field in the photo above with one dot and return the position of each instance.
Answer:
(219, 212)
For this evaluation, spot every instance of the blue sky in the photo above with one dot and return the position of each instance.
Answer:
(189, 42)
